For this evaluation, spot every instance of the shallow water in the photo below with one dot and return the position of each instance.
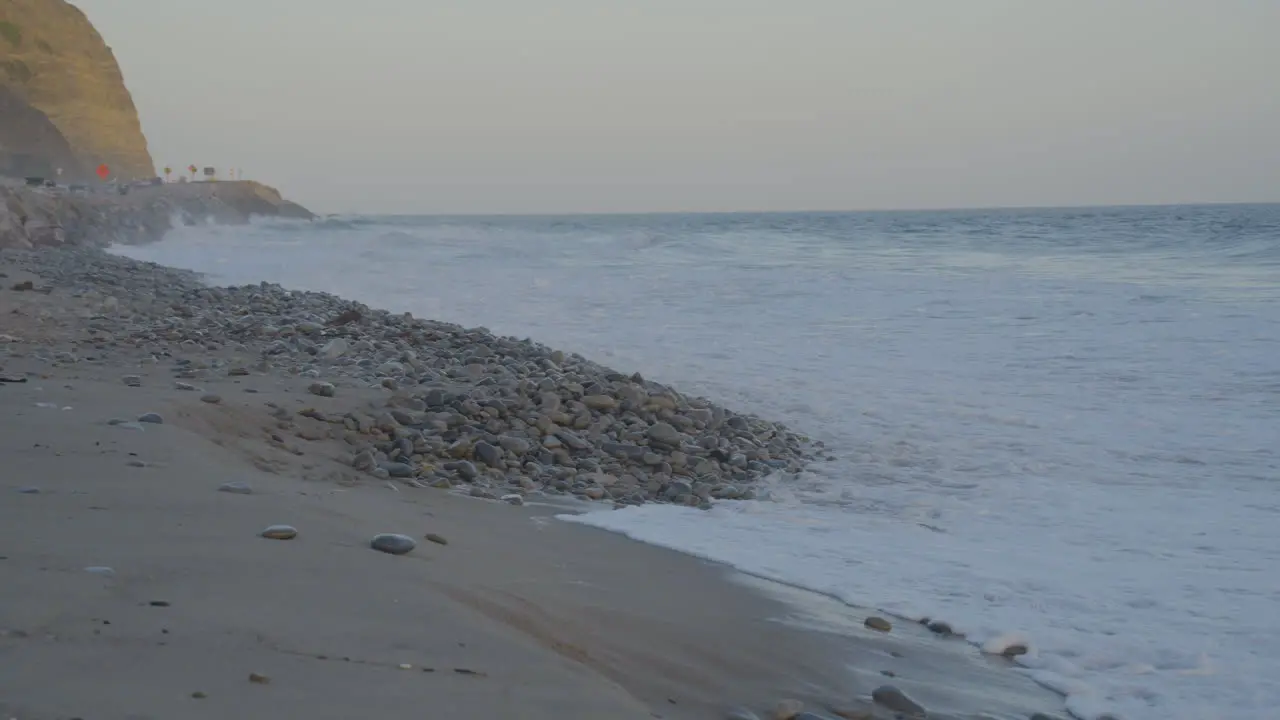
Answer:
(1060, 424)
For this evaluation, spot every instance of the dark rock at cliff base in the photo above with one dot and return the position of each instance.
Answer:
(33, 218)
(30, 144)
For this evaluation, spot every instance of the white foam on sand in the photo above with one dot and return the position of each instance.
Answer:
(1103, 641)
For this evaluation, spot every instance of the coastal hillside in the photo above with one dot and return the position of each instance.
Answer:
(53, 62)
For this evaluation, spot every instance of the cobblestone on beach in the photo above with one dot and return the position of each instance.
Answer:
(460, 408)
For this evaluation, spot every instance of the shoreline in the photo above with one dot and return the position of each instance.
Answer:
(577, 599)
(41, 217)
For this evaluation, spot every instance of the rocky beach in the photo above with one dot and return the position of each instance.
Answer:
(237, 451)
(45, 217)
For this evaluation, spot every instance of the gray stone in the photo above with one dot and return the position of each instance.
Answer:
(878, 623)
(572, 440)
(407, 417)
(211, 399)
(515, 445)
(488, 454)
(513, 499)
(1015, 650)
(280, 532)
(334, 349)
(132, 380)
(600, 402)
(393, 543)
(677, 488)
(465, 469)
(624, 450)
(236, 488)
(153, 418)
(940, 628)
(894, 699)
(664, 433)
(397, 469)
(323, 389)
(364, 461)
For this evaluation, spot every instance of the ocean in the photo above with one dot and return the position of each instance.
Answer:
(1057, 426)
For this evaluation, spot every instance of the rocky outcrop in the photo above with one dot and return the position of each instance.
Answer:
(44, 218)
(53, 60)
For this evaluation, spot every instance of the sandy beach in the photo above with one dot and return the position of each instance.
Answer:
(137, 582)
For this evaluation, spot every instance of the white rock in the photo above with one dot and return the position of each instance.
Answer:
(335, 349)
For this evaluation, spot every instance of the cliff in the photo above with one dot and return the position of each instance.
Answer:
(54, 62)
(30, 144)
(39, 217)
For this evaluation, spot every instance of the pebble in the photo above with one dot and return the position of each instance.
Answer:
(101, 570)
(393, 543)
(878, 623)
(29, 490)
(1015, 650)
(280, 532)
(397, 470)
(211, 399)
(513, 499)
(897, 701)
(153, 418)
(323, 389)
(334, 349)
(132, 380)
(437, 539)
(236, 488)
(257, 679)
(488, 454)
(940, 628)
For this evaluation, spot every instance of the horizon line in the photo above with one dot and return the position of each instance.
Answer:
(987, 208)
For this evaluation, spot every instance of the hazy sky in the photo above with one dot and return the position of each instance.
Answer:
(441, 106)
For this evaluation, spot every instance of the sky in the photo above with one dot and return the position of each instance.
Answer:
(547, 106)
